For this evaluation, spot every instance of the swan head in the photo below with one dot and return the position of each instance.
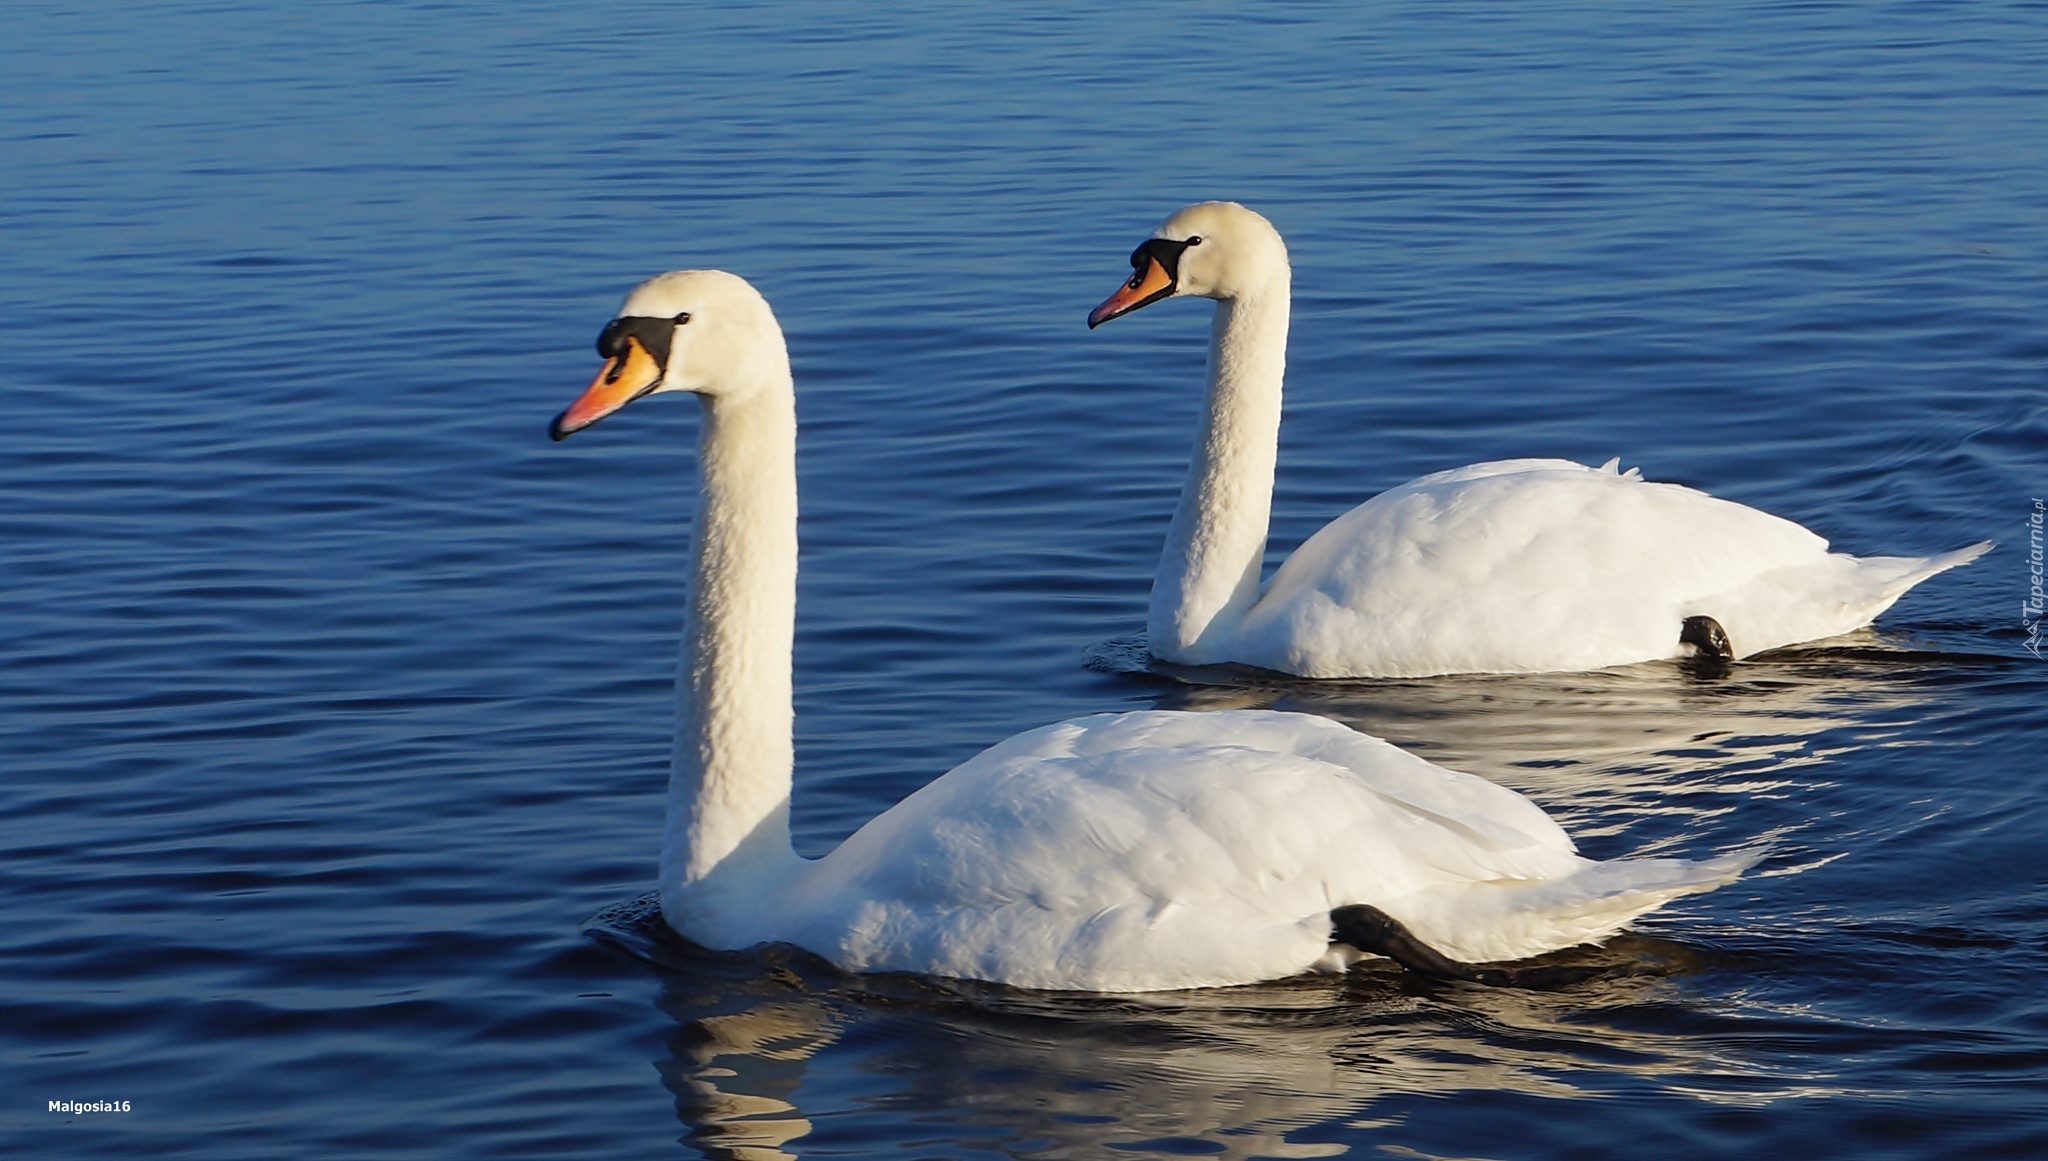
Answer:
(1208, 250)
(702, 331)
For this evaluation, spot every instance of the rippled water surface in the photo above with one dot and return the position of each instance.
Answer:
(337, 700)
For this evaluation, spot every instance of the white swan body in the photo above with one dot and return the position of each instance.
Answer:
(1124, 852)
(1517, 566)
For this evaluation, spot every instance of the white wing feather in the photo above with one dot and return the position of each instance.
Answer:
(1544, 565)
(1157, 850)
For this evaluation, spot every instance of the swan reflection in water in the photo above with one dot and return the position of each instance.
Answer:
(770, 1042)
(772, 1045)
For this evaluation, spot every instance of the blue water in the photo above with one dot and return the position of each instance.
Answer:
(337, 700)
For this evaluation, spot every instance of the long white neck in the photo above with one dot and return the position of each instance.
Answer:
(1209, 571)
(727, 837)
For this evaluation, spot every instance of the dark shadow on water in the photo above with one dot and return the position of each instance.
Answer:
(1128, 657)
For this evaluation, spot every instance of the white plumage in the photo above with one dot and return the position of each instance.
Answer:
(1124, 852)
(1535, 565)
(1152, 850)
(1518, 566)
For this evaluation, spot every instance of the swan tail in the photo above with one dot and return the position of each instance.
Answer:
(1836, 594)
(1515, 919)
(1891, 576)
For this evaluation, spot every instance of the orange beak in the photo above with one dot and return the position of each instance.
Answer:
(620, 381)
(1149, 283)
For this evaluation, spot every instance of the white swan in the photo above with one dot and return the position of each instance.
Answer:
(1517, 566)
(1125, 852)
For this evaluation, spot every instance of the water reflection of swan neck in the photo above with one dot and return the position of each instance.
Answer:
(734, 1076)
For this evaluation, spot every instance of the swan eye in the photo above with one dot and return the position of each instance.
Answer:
(1194, 239)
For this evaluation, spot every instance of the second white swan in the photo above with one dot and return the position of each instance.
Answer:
(1517, 566)
(1124, 852)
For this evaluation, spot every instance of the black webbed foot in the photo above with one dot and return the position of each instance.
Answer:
(1706, 637)
(1371, 929)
